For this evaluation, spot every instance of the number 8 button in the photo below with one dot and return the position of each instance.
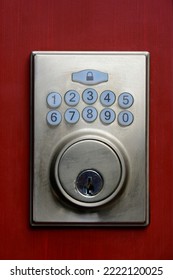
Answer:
(89, 114)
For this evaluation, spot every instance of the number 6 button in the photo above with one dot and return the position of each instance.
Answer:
(54, 117)
(125, 100)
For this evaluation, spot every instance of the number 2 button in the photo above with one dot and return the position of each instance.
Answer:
(72, 97)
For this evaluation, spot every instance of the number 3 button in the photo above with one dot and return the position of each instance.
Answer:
(90, 96)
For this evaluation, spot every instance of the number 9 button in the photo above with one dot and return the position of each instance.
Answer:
(107, 116)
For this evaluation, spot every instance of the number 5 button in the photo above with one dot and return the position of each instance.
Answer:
(125, 100)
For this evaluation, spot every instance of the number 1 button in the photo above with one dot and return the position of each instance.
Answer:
(54, 100)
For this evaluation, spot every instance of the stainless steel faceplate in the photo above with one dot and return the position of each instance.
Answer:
(89, 115)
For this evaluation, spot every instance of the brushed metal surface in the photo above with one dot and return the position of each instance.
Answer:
(128, 72)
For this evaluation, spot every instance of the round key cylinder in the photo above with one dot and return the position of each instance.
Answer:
(89, 172)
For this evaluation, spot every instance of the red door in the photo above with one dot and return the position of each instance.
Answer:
(83, 25)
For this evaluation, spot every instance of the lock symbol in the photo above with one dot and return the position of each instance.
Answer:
(89, 76)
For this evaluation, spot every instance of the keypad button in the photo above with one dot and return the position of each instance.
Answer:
(72, 115)
(125, 100)
(72, 98)
(90, 96)
(125, 118)
(107, 98)
(54, 100)
(107, 116)
(89, 114)
(54, 117)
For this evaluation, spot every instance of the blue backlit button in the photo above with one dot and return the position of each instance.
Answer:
(107, 98)
(89, 77)
(54, 118)
(89, 114)
(125, 118)
(72, 97)
(72, 115)
(54, 99)
(125, 100)
(107, 116)
(90, 96)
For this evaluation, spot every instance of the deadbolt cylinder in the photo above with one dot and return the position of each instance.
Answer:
(89, 172)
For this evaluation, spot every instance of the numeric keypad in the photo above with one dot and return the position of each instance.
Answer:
(89, 114)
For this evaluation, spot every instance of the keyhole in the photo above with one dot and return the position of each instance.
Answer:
(89, 186)
(89, 182)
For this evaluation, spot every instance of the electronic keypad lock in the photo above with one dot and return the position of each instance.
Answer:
(89, 146)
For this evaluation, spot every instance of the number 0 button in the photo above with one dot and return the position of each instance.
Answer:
(72, 97)
(72, 115)
(125, 100)
(125, 118)
(54, 118)
(107, 98)
(89, 114)
(54, 100)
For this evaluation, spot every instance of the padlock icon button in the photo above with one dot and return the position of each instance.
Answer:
(89, 76)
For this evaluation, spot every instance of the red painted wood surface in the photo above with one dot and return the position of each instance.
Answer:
(83, 25)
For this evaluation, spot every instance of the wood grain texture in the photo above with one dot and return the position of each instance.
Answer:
(83, 25)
